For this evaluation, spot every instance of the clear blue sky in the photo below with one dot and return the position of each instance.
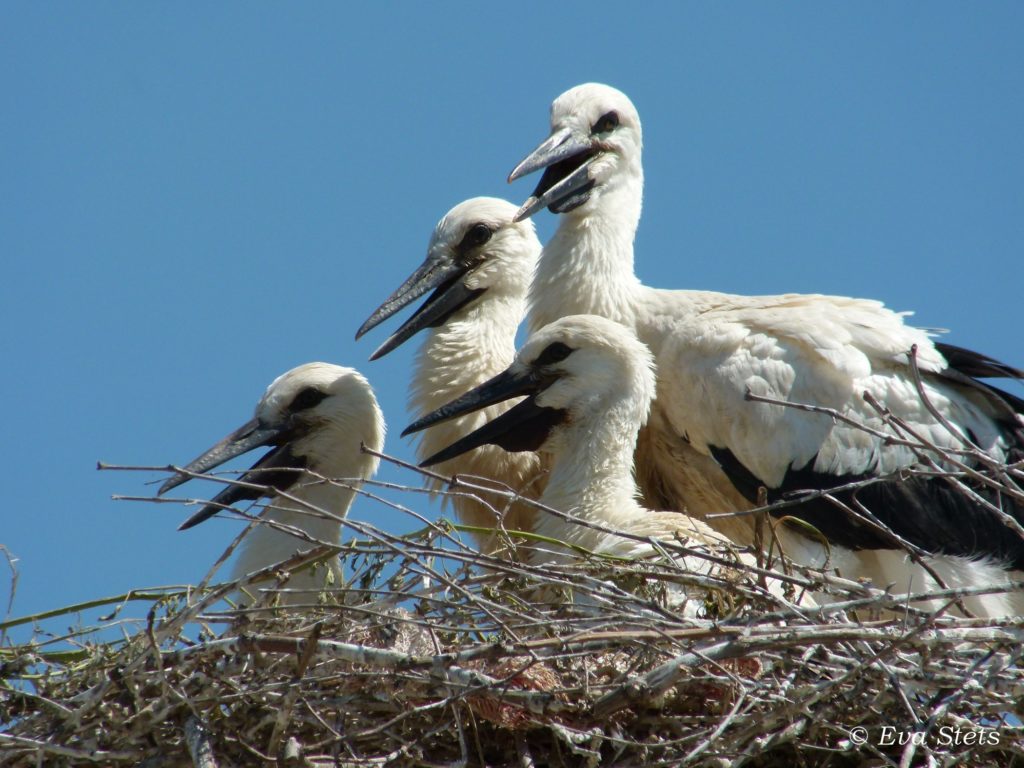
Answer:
(194, 199)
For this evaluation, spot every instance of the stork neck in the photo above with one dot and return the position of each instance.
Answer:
(265, 544)
(471, 347)
(593, 482)
(587, 267)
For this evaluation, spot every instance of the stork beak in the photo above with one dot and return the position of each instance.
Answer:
(559, 146)
(566, 183)
(524, 427)
(250, 435)
(440, 273)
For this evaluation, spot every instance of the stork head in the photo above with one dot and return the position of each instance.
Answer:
(477, 248)
(313, 417)
(594, 148)
(575, 373)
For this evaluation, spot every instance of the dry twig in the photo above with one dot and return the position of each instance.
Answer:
(432, 653)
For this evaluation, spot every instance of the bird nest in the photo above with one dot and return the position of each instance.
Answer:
(433, 654)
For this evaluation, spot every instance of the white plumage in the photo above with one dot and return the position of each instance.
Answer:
(479, 264)
(707, 447)
(314, 417)
(589, 384)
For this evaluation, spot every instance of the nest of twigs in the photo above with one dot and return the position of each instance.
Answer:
(433, 654)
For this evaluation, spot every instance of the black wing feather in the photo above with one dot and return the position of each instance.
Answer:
(925, 511)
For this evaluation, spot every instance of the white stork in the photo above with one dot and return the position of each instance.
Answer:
(588, 384)
(479, 265)
(708, 448)
(314, 418)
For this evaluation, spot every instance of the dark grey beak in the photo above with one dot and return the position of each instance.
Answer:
(250, 435)
(441, 274)
(278, 469)
(566, 183)
(524, 427)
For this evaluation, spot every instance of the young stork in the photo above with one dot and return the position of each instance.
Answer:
(314, 419)
(479, 265)
(707, 447)
(588, 383)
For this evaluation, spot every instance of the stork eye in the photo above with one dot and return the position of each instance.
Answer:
(607, 122)
(477, 235)
(306, 399)
(553, 353)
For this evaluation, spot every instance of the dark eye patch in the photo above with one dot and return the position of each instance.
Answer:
(553, 353)
(306, 399)
(607, 122)
(475, 236)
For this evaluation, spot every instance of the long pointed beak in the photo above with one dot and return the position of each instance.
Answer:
(566, 183)
(449, 298)
(250, 435)
(562, 196)
(524, 427)
(430, 274)
(559, 146)
(506, 385)
(438, 273)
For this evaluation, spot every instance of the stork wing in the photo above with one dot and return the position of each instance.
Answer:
(840, 355)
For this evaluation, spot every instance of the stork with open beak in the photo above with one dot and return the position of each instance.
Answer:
(584, 386)
(313, 419)
(477, 271)
(710, 448)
